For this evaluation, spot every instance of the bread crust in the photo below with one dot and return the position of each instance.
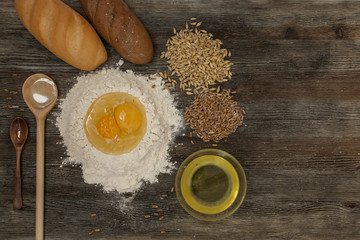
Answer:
(120, 27)
(62, 31)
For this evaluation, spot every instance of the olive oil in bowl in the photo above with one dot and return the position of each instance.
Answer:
(208, 184)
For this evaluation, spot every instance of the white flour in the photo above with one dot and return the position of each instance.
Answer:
(123, 173)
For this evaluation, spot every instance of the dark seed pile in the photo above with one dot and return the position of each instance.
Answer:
(214, 115)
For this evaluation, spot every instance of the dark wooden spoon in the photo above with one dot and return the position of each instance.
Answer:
(18, 135)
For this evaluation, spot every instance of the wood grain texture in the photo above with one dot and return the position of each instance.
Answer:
(296, 73)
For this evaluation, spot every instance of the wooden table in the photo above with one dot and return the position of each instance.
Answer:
(297, 74)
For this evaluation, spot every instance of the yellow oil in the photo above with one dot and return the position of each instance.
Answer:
(209, 184)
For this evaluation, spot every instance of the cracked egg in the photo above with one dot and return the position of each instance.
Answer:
(115, 123)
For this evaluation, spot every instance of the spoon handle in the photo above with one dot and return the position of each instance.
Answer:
(17, 202)
(40, 178)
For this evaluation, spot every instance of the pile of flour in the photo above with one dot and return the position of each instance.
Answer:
(122, 173)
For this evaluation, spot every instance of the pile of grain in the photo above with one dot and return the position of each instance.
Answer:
(214, 115)
(196, 59)
(197, 62)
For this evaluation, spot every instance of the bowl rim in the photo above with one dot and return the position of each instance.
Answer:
(242, 189)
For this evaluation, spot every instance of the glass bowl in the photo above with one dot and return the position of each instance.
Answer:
(210, 184)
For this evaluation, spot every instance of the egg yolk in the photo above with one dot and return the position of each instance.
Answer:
(107, 126)
(109, 131)
(128, 117)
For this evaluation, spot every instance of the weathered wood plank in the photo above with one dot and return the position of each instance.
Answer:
(296, 70)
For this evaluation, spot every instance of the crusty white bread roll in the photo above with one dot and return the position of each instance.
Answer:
(63, 31)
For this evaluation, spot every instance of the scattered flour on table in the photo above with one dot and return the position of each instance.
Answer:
(127, 172)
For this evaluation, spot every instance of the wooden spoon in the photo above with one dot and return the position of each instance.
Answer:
(40, 94)
(18, 135)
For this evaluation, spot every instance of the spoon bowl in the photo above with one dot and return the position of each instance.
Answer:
(18, 132)
(40, 94)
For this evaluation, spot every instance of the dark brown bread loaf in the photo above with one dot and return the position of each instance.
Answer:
(120, 27)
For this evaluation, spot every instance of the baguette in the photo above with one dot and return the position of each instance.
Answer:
(120, 27)
(62, 31)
